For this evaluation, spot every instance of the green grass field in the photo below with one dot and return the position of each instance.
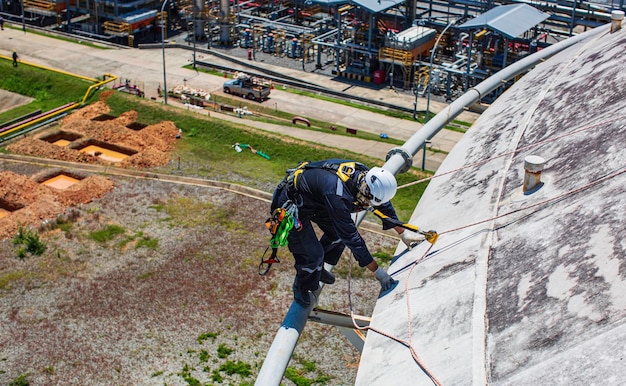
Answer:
(49, 89)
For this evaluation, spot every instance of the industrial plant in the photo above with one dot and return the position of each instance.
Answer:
(448, 46)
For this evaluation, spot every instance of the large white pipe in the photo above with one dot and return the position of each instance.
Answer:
(286, 338)
(397, 157)
(283, 345)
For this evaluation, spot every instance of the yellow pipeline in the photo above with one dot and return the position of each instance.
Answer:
(104, 81)
(22, 126)
(73, 106)
(51, 69)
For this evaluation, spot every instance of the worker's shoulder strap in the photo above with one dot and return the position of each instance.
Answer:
(343, 168)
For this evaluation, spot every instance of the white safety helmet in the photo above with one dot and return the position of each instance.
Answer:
(381, 184)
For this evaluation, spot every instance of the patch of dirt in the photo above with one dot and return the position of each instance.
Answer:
(150, 146)
(30, 202)
(133, 309)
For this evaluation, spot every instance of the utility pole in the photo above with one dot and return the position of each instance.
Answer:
(163, 51)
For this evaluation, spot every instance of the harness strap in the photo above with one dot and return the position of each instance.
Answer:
(344, 169)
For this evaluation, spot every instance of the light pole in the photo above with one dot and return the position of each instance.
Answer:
(23, 20)
(415, 91)
(163, 52)
(393, 59)
(193, 28)
(430, 71)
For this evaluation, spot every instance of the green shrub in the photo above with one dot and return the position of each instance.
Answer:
(204, 336)
(20, 381)
(107, 234)
(29, 243)
(238, 367)
(224, 351)
(147, 242)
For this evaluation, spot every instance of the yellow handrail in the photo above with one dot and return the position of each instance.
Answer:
(104, 81)
(98, 83)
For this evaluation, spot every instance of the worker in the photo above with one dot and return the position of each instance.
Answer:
(327, 193)
(1, 23)
(15, 57)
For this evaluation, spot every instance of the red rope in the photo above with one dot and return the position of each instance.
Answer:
(407, 343)
(545, 202)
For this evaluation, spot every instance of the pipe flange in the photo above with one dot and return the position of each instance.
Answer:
(408, 159)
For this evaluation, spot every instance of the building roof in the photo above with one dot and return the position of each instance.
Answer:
(520, 289)
(326, 2)
(508, 20)
(377, 6)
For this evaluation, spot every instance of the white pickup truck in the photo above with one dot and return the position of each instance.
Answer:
(248, 87)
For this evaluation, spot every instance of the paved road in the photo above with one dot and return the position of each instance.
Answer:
(145, 66)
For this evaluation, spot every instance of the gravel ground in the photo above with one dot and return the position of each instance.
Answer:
(172, 297)
(280, 61)
(175, 297)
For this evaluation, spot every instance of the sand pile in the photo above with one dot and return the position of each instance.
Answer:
(30, 202)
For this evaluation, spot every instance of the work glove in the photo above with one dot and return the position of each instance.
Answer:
(410, 238)
(386, 282)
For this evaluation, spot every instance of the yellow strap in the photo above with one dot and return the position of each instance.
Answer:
(431, 236)
(346, 170)
(383, 216)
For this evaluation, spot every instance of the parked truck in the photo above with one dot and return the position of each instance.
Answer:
(249, 87)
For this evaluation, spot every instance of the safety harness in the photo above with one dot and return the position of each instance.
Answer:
(344, 169)
(285, 218)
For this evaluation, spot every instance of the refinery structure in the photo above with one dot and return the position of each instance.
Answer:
(376, 41)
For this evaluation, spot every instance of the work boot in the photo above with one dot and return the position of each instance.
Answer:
(301, 296)
(304, 297)
(327, 277)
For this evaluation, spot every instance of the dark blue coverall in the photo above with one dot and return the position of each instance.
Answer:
(328, 202)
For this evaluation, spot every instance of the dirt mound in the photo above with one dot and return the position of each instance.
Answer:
(89, 135)
(30, 202)
(39, 148)
(144, 146)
